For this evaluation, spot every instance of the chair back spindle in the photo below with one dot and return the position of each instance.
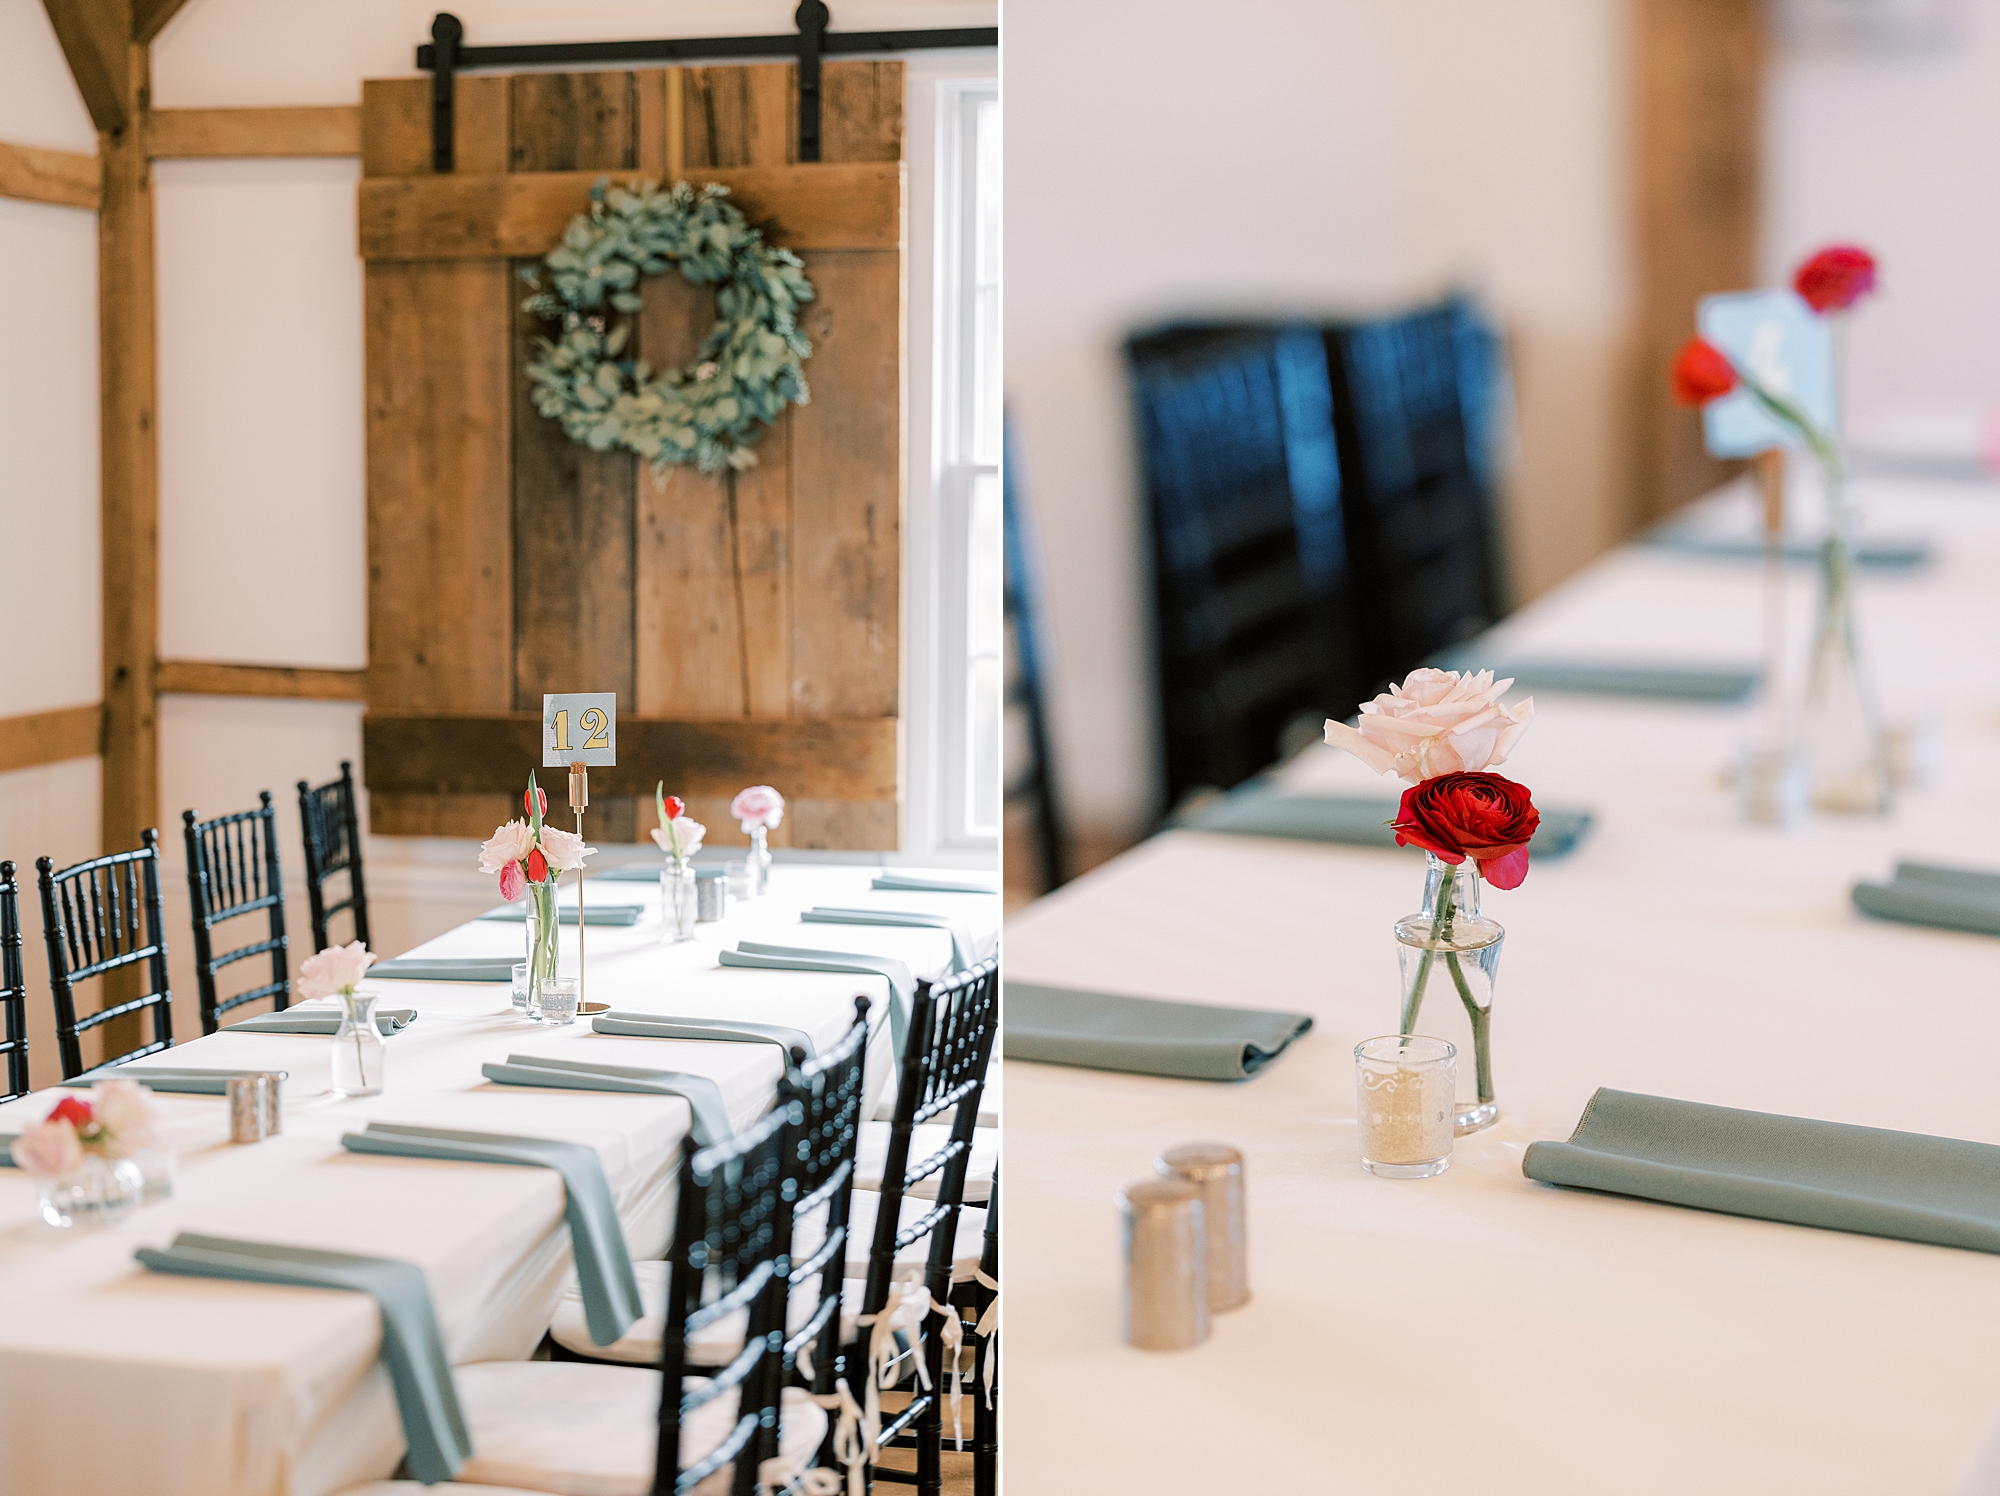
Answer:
(98, 917)
(232, 868)
(13, 990)
(332, 832)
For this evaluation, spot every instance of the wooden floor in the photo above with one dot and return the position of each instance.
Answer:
(957, 1467)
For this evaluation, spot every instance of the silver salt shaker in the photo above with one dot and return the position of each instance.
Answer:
(711, 894)
(1216, 1169)
(247, 1099)
(1165, 1305)
(273, 1096)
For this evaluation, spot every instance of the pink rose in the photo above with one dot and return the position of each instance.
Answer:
(512, 883)
(508, 843)
(47, 1149)
(126, 1111)
(760, 805)
(335, 969)
(1436, 722)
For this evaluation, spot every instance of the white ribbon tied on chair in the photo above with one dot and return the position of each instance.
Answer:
(951, 1333)
(858, 1433)
(781, 1474)
(988, 1329)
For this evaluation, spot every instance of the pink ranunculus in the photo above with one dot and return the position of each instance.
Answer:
(126, 1111)
(508, 843)
(512, 883)
(1436, 722)
(564, 849)
(680, 838)
(47, 1149)
(335, 969)
(760, 805)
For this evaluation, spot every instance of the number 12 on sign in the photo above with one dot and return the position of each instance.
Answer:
(580, 727)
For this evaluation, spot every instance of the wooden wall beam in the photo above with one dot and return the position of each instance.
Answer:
(95, 35)
(150, 17)
(50, 737)
(423, 752)
(208, 678)
(845, 206)
(334, 130)
(65, 178)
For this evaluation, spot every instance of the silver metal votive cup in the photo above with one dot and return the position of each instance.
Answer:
(1216, 1169)
(274, 1111)
(1165, 1304)
(711, 895)
(247, 1101)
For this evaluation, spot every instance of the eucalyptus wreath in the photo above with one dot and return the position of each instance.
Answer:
(710, 412)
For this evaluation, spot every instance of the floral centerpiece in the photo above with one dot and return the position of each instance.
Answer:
(678, 835)
(758, 810)
(83, 1154)
(358, 1050)
(530, 857)
(1443, 732)
(1839, 733)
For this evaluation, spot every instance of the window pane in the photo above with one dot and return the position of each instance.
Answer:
(982, 593)
(983, 793)
(983, 275)
(982, 636)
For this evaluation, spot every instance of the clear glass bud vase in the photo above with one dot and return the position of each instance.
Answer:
(678, 901)
(1449, 954)
(760, 861)
(544, 930)
(1840, 726)
(358, 1048)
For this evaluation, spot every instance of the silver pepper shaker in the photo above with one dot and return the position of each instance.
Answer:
(1216, 1169)
(247, 1095)
(711, 894)
(273, 1103)
(1165, 1305)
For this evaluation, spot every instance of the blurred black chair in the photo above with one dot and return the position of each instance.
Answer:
(332, 831)
(1252, 596)
(91, 920)
(1033, 787)
(13, 990)
(232, 866)
(1418, 401)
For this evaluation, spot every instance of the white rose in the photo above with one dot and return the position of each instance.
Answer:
(508, 843)
(680, 837)
(564, 849)
(1436, 722)
(47, 1149)
(125, 1109)
(335, 969)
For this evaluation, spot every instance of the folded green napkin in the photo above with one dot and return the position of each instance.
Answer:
(703, 1096)
(168, 1078)
(636, 872)
(317, 1021)
(1901, 1184)
(6, 1156)
(1900, 554)
(961, 938)
(902, 986)
(1944, 897)
(1103, 1031)
(446, 969)
(603, 1265)
(1621, 678)
(661, 1026)
(896, 882)
(1349, 820)
(593, 914)
(412, 1345)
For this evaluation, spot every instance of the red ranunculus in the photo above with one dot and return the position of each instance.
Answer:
(1479, 815)
(512, 884)
(538, 867)
(528, 799)
(1702, 372)
(675, 808)
(75, 1111)
(1835, 278)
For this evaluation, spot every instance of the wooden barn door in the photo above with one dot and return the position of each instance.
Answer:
(748, 623)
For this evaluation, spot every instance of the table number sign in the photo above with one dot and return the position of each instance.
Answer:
(1775, 338)
(579, 728)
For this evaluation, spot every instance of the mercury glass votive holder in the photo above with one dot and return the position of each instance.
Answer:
(558, 1000)
(1404, 1086)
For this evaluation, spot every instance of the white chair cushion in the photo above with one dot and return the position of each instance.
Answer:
(577, 1430)
(925, 1141)
(714, 1344)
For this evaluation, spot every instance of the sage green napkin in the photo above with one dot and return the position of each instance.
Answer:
(597, 1241)
(1886, 554)
(902, 986)
(1946, 898)
(1349, 820)
(412, 1345)
(593, 914)
(631, 872)
(168, 1078)
(1843, 1178)
(1627, 678)
(446, 969)
(895, 882)
(1149, 1036)
(704, 1098)
(961, 937)
(6, 1156)
(661, 1026)
(317, 1021)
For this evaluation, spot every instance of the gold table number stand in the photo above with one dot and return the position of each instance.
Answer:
(579, 728)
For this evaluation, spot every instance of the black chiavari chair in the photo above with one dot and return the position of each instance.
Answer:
(332, 830)
(232, 868)
(1030, 783)
(985, 1366)
(92, 922)
(13, 989)
(950, 1038)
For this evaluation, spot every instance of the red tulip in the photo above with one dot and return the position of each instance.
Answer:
(1702, 372)
(1835, 278)
(538, 867)
(1484, 816)
(512, 884)
(75, 1111)
(675, 809)
(528, 799)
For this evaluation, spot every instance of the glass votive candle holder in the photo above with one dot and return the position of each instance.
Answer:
(558, 1000)
(1404, 1086)
(739, 878)
(524, 1002)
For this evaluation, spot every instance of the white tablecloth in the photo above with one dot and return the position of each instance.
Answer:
(113, 1379)
(1480, 1332)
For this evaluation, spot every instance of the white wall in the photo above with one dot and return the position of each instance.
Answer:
(1898, 151)
(1170, 156)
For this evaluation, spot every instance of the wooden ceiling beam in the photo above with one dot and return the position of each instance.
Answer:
(150, 17)
(93, 35)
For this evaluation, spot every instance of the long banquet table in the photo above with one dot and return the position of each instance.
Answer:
(115, 1379)
(1480, 1332)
